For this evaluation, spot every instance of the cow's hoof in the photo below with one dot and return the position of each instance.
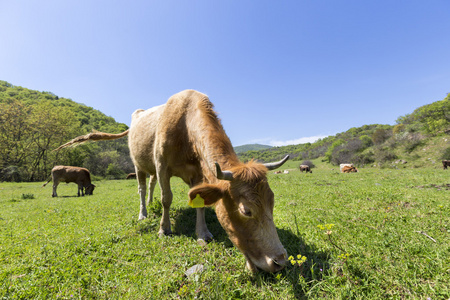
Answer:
(163, 233)
(205, 236)
(203, 243)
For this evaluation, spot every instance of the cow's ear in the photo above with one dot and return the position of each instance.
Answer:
(209, 192)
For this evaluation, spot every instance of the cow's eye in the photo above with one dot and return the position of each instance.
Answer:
(245, 211)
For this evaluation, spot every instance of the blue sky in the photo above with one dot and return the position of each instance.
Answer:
(278, 72)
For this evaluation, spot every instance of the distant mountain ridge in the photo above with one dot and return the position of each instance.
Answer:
(251, 147)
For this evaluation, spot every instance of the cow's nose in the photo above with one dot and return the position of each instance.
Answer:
(279, 261)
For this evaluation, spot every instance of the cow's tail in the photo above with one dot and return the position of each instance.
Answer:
(94, 136)
(47, 181)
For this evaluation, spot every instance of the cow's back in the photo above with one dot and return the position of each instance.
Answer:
(141, 137)
(166, 133)
(71, 174)
(59, 173)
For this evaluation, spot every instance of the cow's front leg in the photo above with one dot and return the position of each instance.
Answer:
(200, 228)
(166, 200)
(80, 188)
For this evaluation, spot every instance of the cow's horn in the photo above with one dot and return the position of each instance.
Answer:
(224, 175)
(277, 164)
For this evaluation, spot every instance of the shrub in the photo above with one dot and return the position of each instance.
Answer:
(344, 153)
(366, 141)
(398, 128)
(341, 156)
(383, 155)
(329, 153)
(380, 135)
(365, 158)
(414, 140)
(392, 143)
(114, 172)
(12, 174)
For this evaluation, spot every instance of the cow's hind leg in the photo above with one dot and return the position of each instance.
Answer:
(166, 200)
(55, 185)
(151, 188)
(142, 189)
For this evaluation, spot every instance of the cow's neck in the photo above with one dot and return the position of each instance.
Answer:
(213, 146)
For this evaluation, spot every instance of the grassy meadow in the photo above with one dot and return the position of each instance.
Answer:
(376, 234)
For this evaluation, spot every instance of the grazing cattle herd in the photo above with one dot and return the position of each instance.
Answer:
(185, 138)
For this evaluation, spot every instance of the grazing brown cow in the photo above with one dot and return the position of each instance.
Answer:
(341, 166)
(131, 176)
(347, 169)
(445, 164)
(80, 176)
(305, 168)
(185, 138)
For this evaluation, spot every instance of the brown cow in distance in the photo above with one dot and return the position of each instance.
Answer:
(305, 168)
(445, 164)
(341, 166)
(80, 176)
(185, 138)
(347, 169)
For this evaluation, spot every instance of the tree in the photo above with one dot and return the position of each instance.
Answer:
(50, 128)
(14, 129)
(29, 133)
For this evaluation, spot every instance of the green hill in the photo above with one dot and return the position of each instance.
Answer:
(420, 138)
(33, 123)
(250, 147)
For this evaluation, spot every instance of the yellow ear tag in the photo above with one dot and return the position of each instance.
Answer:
(197, 202)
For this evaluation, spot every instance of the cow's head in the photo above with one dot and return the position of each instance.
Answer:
(90, 190)
(244, 206)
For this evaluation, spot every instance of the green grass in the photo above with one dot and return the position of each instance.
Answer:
(390, 239)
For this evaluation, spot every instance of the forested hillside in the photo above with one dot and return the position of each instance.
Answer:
(33, 123)
(422, 133)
